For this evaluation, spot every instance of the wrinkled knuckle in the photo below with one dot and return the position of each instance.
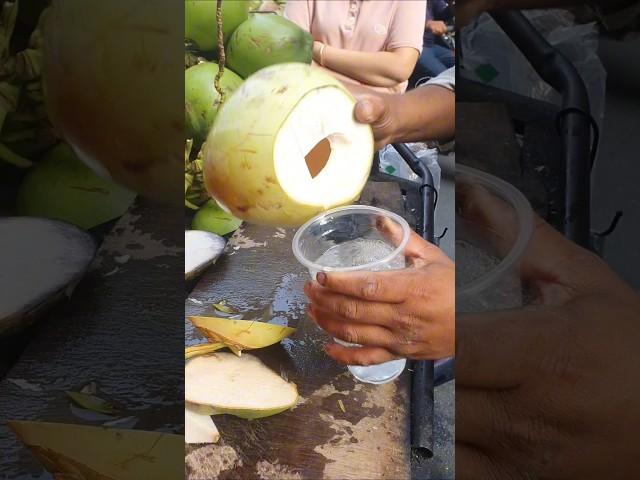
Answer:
(410, 350)
(502, 420)
(349, 334)
(420, 290)
(348, 310)
(405, 322)
(371, 287)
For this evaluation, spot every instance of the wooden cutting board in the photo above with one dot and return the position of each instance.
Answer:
(317, 439)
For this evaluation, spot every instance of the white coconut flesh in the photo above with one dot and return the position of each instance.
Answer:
(40, 261)
(199, 427)
(201, 249)
(88, 452)
(243, 386)
(316, 150)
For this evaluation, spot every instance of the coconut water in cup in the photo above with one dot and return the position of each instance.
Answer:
(488, 260)
(354, 253)
(348, 239)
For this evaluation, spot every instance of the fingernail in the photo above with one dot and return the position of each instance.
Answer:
(321, 277)
(366, 110)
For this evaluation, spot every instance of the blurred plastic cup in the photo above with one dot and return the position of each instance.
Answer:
(488, 258)
(350, 239)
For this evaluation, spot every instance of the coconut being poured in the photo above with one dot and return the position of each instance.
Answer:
(285, 147)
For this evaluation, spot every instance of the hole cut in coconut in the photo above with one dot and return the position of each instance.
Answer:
(318, 157)
(319, 148)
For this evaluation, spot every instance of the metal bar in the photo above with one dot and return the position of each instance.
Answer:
(422, 378)
(561, 74)
(428, 190)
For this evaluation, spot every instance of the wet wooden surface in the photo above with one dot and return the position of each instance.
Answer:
(316, 440)
(122, 329)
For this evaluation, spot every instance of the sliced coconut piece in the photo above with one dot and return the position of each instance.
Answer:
(199, 427)
(71, 451)
(240, 386)
(40, 260)
(308, 155)
(201, 249)
(240, 335)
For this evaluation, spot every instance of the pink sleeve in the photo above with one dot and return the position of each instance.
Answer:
(299, 12)
(407, 26)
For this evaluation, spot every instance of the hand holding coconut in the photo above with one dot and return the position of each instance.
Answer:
(426, 113)
(392, 314)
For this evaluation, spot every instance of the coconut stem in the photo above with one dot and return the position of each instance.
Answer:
(221, 56)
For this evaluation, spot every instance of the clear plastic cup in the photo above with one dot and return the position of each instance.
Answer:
(488, 261)
(348, 239)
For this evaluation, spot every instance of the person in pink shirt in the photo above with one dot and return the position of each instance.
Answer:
(375, 43)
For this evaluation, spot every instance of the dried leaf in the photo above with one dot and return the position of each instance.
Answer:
(222, 307)
(201, 349)
(90, 388)
(91, 402)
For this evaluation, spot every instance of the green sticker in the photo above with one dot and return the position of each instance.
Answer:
(487, 73)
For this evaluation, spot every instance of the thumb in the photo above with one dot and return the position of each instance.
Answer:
(370, 109)
(556, 267)
(418, 251)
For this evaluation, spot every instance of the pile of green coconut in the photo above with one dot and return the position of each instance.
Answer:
(42, 172)
(255, 35)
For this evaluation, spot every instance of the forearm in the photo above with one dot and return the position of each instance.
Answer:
(426, 113)
(381, 69)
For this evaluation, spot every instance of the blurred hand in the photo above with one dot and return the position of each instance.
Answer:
(407, 313)
(436, 27)
(549, 391)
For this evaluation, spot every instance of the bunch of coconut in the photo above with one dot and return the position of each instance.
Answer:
(54, 183)
(108, 78)
(254, 37)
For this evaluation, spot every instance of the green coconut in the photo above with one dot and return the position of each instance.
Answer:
(200, 26)
(267, 39)
(62, 187)
(212, 218)
(285, 146)
(111, 72)
(201, 99)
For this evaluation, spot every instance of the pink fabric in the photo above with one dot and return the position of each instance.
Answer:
(362, 25)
